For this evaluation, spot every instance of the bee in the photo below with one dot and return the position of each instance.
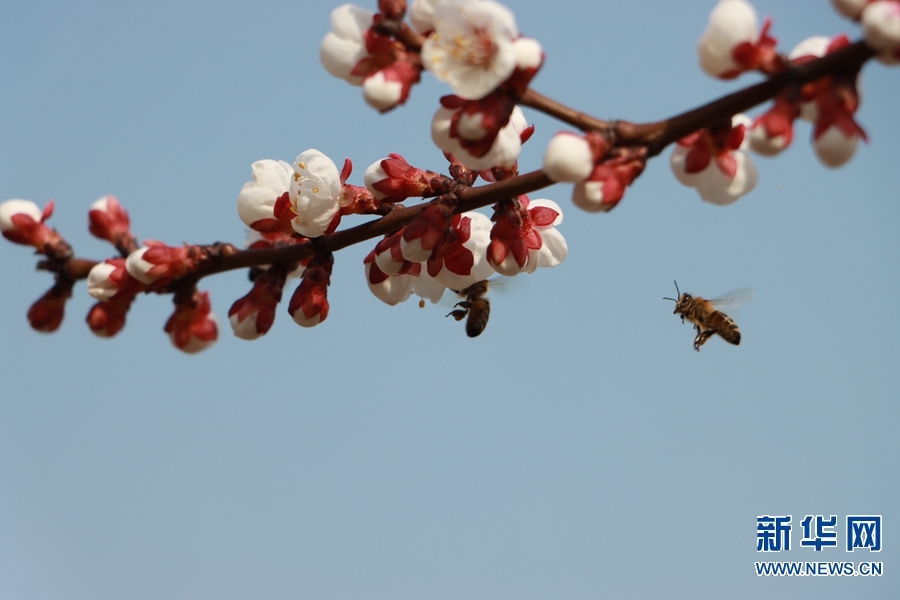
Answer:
(707, 319)
(474, 305)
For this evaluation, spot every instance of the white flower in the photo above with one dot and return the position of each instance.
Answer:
(568, 158)
(479, 239)
(881, 25)
(471, 48)
(345, 46)
(99, 285)
(11, 208)
(731, 22)
(504, 152)
(315, 193)
(834, 147)
(271, 179)
(712, 184)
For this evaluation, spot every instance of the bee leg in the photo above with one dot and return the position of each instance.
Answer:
(701, 338)
(458, 314)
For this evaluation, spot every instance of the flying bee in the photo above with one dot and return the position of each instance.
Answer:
(474, 305)
(707, 319)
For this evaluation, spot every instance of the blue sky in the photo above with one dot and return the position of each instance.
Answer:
(579, 448)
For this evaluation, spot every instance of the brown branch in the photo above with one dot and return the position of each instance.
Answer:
(654, 137)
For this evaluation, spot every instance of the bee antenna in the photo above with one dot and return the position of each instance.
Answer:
(678, 294)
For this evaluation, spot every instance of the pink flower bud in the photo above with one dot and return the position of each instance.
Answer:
(106, 319)
(389, 86)
(425, 232)
(192, 327)
(606, 185)
(22, 222)
(109, 221)
(158, 263)
(773, 131)
(252, 316)
(309, 303)
(568, 158)
(47, 313)
(393, 179)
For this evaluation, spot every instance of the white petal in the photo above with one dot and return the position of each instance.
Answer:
(425, 286)
(714, 187)
(588, 196)
(98, 283)
(246, 329)
(568, 158)
(392, 290)
(351, 22)
(17, 207)
(816, 46)
(421, 15)
(137, 267)
(380, 93)
(554, 248)
(676, 162)
(761, 143)
(834, 148)
(529, 54)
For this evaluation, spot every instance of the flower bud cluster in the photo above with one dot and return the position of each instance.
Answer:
(524, 236)
(355, 52)
(731, 44)
(111, 284)
(22, 222)
(309, 304)
(713, 162)
(600, 175)
(829, 103)
(109, 221)
(440, 250)
(192, 327)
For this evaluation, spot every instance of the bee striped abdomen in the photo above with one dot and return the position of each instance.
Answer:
(725, 327)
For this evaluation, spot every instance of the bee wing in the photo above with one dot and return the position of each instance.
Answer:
(733, 300)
